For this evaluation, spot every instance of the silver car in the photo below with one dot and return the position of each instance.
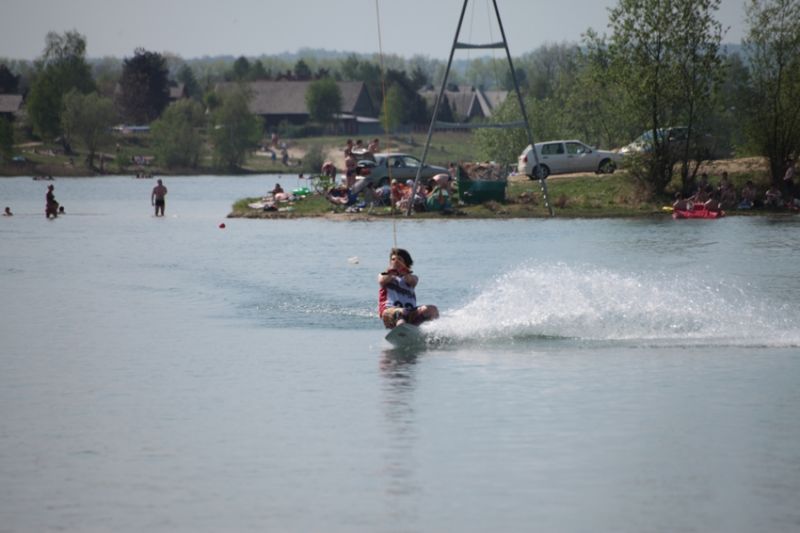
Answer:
(388, 166)
(564, 157)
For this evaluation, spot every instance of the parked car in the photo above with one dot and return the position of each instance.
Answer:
(644, 142)
(564, 157)
(388, 166)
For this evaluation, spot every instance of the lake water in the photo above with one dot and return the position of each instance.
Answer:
(164, 374)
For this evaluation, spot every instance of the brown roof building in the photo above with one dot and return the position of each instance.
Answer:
(466, 102)
(10, 105)
(177, 92)
(278, 101)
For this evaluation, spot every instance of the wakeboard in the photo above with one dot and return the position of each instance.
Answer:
(406, 336)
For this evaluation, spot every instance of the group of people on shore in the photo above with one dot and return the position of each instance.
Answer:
(435, 195)
(724, 197)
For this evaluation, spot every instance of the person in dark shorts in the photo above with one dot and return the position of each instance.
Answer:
(158, 198)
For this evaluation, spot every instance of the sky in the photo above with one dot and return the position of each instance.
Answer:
(197, 28)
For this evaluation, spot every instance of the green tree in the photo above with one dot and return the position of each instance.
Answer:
(258, 72)
(6, 139)
(354, 69)
(44, 104)
(663, 57)
(176, 134)
(187, 78)
(324, 100)
(236, 129)
(545, 68)
(392, 113)
(9, 83)
(414, 110)
(88, 118)
(592, 101)
(547, 120)
(302, 71)
(700, 76)
(773, 103)
(241, 69)
(61, 68)
(144, 87)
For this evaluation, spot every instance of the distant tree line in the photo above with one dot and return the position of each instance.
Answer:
(662, 65)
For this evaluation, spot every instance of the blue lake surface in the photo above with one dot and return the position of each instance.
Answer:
(164, 374)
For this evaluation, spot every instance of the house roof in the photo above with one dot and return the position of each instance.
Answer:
(289, 97)
(468, 101)
(177, 92)
(10, 103)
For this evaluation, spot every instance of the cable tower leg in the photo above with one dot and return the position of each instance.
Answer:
(542, 182)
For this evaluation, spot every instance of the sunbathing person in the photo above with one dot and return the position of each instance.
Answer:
(340, 195)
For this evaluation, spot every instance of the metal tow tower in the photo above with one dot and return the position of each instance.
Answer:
(524, 123)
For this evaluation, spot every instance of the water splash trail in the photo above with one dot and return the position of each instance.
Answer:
(560, 301)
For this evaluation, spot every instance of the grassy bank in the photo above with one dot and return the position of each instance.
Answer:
(574, 196)
(579, 196)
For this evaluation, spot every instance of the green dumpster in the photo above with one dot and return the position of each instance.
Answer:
(480, 191)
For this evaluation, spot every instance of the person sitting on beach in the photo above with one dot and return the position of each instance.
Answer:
(702, 195)
(405, 198)
(7, 212)
(681, 203)
(713, 203)
(329, 170)
(340, 195)
(398, 192)
(445, 181)
(748, 196)
(397, 300)
(438, 200)
(370, 196)
(726, 192)
(703, 184)
(788, 178)
(724, 182)
(279, 195)
(772, 198)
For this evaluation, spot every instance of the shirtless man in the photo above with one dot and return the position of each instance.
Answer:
(157, 198)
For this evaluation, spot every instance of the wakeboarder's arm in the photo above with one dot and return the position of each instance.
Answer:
(386, 277)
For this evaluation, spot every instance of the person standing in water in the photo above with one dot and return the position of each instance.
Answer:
(397, 300)
(50, 206)
(157, 198)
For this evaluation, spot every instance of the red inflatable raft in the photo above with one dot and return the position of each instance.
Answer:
(697, 211)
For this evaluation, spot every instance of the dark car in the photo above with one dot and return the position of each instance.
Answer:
(389, 166)
(703, 145)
